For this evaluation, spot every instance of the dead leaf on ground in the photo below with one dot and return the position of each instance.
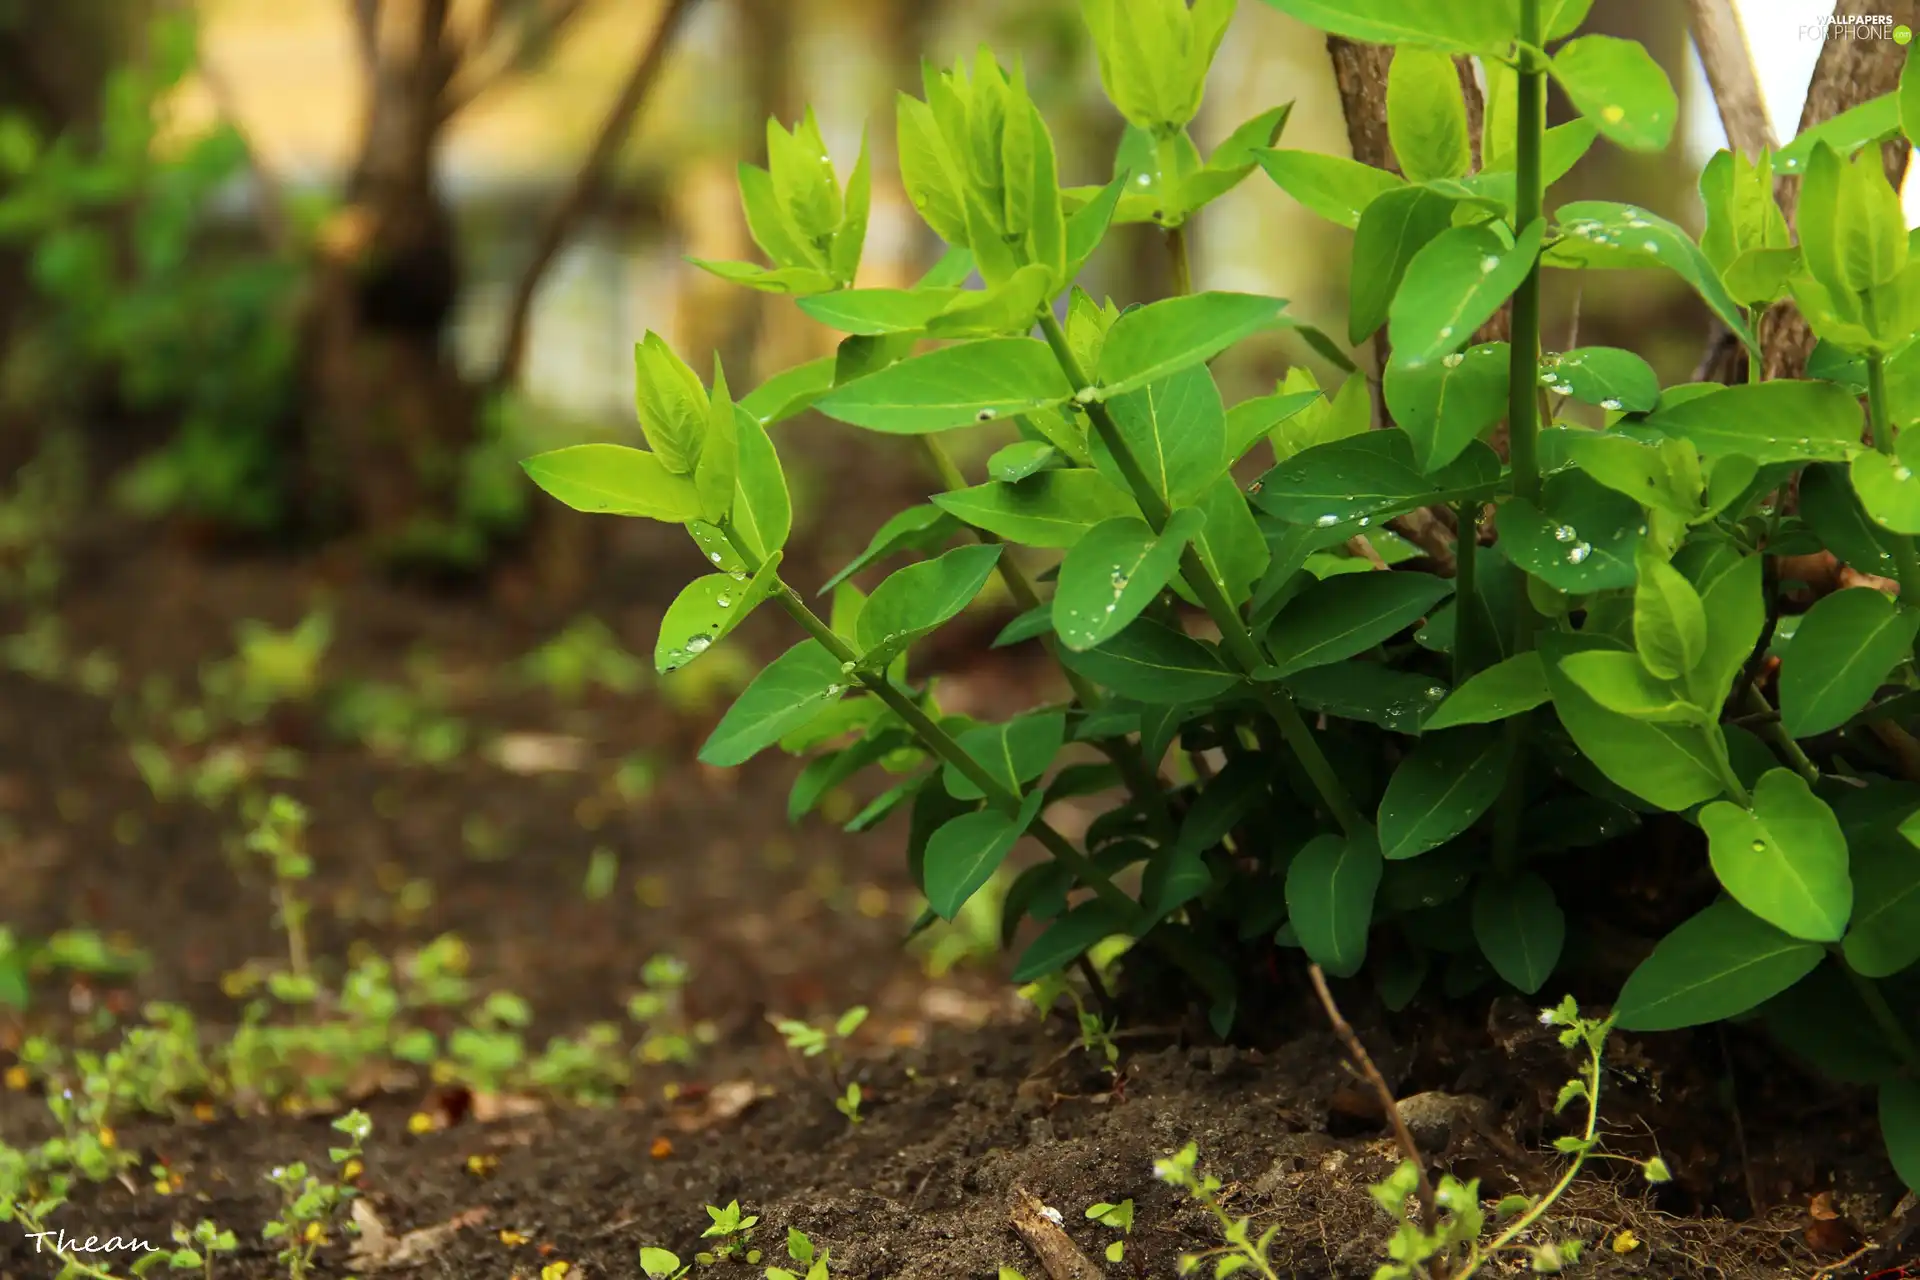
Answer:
(534, 753)
(702, 1109)
(378, 1249)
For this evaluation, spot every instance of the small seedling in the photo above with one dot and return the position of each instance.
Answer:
(848, 1103)
(1241, 1250)
(661, 1264)
(810, 1041)
(732, 1234)
(802, 1251)
(310, 1204)
(1097, 1036)
(1120, 1218)
(279, 838)
(194, 1249)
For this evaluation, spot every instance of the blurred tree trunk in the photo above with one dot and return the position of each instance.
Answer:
(391, 416)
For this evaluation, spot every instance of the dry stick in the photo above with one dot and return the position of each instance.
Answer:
(1429, 1203)
(586, 187)
(1057, 1253)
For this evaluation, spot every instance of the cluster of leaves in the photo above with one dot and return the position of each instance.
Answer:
(1425, 822)
(138, 294)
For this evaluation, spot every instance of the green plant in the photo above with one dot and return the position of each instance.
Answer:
(1413, 821)
(1120, 1218)
(195, 1249)
(279, 838)
(1241, 1250)
(801, 1250)
(309, 1204)
(136, 284)
(584, 656)
(732, 1234)
(1096, 1033)
(848, 1103)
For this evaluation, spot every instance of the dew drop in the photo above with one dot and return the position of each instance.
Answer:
(1578, 553)
(1365, 521)
(1453, 361)
(1902, 473)
(846, 668)
(1489, 264)
(1759, 846)
(1328, 520)
(1565, 533)
(1145, 179)
(1446, 331)
(697, 645)
(714, 556)
(725, 602)
(1651, 246)
(1610, 402)
(986, 415)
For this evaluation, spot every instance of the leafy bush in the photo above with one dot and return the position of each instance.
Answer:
(118, 229)
(1392, 785)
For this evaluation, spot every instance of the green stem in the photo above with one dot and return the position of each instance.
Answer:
(1523, 399)
(1723, 764)
(1754, 703)
(1905, 562)
(1237, 640)
(939, 741)
(1883, 1015)
(1135, 770)
(1182, 261)
(1468, 652)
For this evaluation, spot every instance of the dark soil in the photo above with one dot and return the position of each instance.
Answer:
(969, 1094)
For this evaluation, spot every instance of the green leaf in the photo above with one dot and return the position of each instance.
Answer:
(878, 311)
(1021, 459)
(1051, 509)
(789, 692)
(1014, 753)
(1457, 26)
(1067, 938)
(1370, 692)
(1888, 491)
(965, 852)
(1444, 405)
(1843, 651)
(716, 474)
(1853, 234)
(1584, 538)
(795, 282)
(1441, 789)
(952, 387)
(1155, 341)
(1670, 766)
(1251, 419)
(1230, 546)
(1391, 230)
(1427, 116)
(1619, 681)
(1829, 506)
(1785, 859)
(1874, 120)
(1731, 593)
(1369, 476)
(1669, 625)
(613, 479)
(919, 598)
(1453, 286)
(1602, 233)
(1176, 430)
(671, 402)
(1349, 412)
(1334, 187)
(790, 392)
(1505, 689)
(1900, 1128)
(770, 227)
(1349, 614)
(762, 509)
(1008, 308)
(1606, 376)
(1777, 421)
(1115, 572)
(706, 610)
(1520, 928)
(915, 529)
(1719, 964)
(934, 182)
(1616, 84)
(1154, 664)
(1884, 938)
(1331, 885)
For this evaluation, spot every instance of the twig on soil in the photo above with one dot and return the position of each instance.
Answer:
(1057, 1253)
(1835, 1268)
(1429, 1203)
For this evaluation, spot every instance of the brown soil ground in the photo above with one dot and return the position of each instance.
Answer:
(970, 1096)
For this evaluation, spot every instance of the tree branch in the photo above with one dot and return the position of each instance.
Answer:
(512, 57)
(1728, 60)
(585, 188)
(366, 25)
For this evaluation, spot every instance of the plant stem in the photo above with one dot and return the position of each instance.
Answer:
(1182, 261)
(1768, 726)
(1883, 1015)
(1907, 566)
(941, 743)
(1723, 763)
(1523, 402)
(1137, 772)
(1467, 648)
(1238, 641)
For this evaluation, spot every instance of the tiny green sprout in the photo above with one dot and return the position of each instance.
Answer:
(1656, 1171)
(732, 1232)
(659, 1264)
(801, 1250)
(1120, 1218)
(848, 1104)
